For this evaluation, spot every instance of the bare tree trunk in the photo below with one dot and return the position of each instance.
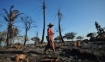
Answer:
(61, 38)
(0, 41)
(43, 25)
(25, 38)
(7, 40)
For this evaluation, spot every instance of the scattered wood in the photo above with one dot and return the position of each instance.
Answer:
(22, 57)
(77, 43)
(49, 59)
(17, 46)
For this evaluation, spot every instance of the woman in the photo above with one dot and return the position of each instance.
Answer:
(50, 39)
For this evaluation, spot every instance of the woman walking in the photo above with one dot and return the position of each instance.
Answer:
(50, 39)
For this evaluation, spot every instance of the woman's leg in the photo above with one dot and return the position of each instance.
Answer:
(53, 46)
(52, 43)
(46, 48)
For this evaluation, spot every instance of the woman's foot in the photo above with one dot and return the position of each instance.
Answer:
(55, 52)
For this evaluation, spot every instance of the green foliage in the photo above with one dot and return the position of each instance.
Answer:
(70, 35)
(57, 38)
(100, 31)
(90, 35)
(79, 37)
(36, 39)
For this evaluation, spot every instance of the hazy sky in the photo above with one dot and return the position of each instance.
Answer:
(78, 15)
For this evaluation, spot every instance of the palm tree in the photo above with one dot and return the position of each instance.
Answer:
(15, 32)
(10, 18)
(59, 26)
(44, 21)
